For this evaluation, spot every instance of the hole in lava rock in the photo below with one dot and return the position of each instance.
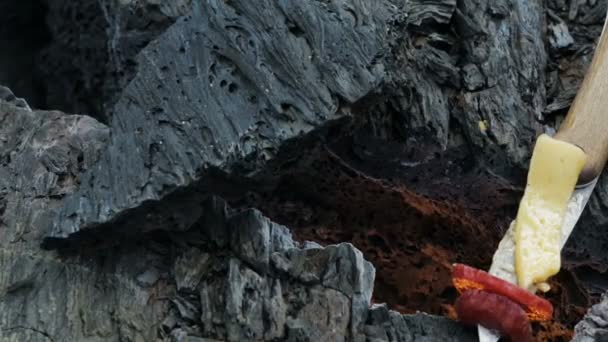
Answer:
(285, 107)
(232, 87)
(294, 28)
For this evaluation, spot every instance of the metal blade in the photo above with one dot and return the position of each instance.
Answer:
(503, 262)
(486, 335)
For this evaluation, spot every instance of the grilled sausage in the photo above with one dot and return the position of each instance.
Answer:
(494, 312)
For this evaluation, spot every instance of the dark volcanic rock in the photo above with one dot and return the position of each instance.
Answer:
(212, 93)
(175, 286)
(43, 154)
(410, 125)
(304, 294)
(501, 50)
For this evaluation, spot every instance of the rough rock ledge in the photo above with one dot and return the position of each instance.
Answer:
(233, 276)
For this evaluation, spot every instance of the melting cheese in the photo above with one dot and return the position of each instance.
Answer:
(554, 170)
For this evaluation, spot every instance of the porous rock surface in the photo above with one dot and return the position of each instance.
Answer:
(209, 93)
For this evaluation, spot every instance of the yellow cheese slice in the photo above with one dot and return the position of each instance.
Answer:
(554, 170)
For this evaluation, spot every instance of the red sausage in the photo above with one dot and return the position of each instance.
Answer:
(469, 278)
(494, 312)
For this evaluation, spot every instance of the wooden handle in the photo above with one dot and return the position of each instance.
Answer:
(586, 124)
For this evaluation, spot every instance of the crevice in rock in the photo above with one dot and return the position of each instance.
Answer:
(77, 56)
(23, 35)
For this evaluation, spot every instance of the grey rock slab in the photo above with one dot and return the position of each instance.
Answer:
(190, 268)
(77, 302)
(324, 317)
(228, 83)
(512, 99)
(42, 155)
(254, 238)
(340, 267)
(560, 35)
(43, 297)
(462, 63)
(594, 326)
(251, 244)
(388, 326)
(244, 297)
